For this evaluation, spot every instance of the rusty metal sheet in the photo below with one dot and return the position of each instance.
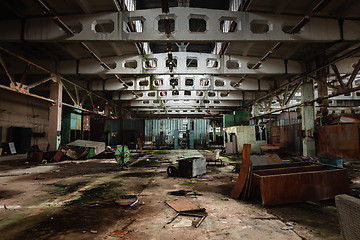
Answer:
(244, 172)
(182, 205)
(338, 141)
(267, 148)
(299, 184)
(267, 159)
(287, 137)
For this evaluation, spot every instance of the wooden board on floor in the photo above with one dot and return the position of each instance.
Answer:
(244, 172)
(182, 205)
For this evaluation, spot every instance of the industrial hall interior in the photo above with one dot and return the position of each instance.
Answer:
(179, 119)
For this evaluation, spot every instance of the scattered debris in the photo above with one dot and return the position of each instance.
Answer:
(172, 171)
(12, 148)
(183, 223)
(119, 233)
(81, 149)
(127, 200)
(59, 155)
(287, 228)
(202, 217)
(183, 205)
(179, 193)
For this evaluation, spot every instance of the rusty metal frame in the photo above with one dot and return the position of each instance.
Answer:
(292, 94)
(338, 76)
(323, 82)
(282, 89)
(311, 101)
(8, 74)
(353, 74)
(26, 93)
(30, 62)
(39, 82)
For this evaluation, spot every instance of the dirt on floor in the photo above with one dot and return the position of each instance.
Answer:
(80, 200)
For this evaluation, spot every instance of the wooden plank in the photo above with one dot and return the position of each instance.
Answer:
(244, 171)
(182, 205)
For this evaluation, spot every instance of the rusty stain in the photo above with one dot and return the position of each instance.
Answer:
(36, 212)
(287, 137)
(338, 141)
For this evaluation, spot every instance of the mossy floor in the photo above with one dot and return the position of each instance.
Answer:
(77, 200)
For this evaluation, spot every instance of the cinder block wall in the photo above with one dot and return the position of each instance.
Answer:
(18, 110)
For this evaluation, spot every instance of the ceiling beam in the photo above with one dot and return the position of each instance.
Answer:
(41, 29)
(83, 4)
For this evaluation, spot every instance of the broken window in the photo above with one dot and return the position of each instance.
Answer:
(204, 82)
(191, 62)
(197, 25)
(260, 133)
(189, 82)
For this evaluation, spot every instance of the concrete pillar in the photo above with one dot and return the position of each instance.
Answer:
(54, 135)
(308, 117)
(213, 125)
(107, 110)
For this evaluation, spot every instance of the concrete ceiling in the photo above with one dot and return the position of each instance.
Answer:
(332, 29)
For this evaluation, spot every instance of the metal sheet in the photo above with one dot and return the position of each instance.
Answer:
(267, 159)
(244, 172)
(338, 141)
(298, 184)
(182, 205)
(165, 131)
(287, 137)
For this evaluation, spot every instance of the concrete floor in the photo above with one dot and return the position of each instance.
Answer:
(76, 200)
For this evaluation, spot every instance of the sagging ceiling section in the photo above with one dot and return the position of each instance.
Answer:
(167, 58)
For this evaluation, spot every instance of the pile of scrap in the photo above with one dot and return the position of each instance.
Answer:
(184, 207)
(274, 184)
(39, 152)
(80, 149)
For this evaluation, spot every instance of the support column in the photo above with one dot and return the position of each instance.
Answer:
(308, 117)
(107, 110)
(54, 135)
(213, 123)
